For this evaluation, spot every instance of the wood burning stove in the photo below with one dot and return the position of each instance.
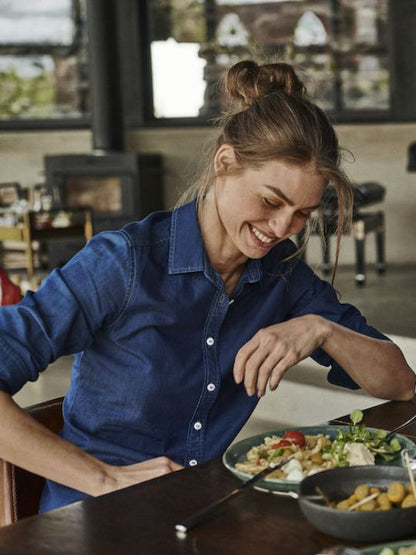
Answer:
(118, 186)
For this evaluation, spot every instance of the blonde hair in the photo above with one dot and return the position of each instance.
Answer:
(270, 118)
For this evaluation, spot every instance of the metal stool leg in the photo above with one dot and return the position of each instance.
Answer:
(326, 253)
(359, 235)
(380, 246)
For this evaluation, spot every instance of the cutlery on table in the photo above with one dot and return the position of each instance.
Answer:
(199, 516)
(340, 550)
(398, 428)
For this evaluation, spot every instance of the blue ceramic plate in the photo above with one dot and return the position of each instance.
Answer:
(376, 549)
(238, 451)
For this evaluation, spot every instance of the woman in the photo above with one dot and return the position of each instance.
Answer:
(180, 322)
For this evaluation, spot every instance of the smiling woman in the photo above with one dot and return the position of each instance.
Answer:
(180, 322)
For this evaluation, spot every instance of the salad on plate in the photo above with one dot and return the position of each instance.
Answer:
(352, 445)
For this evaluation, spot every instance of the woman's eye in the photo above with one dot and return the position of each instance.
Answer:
(270, 203)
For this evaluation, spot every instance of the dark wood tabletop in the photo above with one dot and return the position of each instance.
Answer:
(141, 519)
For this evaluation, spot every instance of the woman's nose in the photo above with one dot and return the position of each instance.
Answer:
(281, 225)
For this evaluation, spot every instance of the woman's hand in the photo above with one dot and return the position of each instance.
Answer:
(119, 477)
(27, 443)
(273, 350)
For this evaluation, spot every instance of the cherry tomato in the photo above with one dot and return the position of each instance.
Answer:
(295, 438)
(282, 443)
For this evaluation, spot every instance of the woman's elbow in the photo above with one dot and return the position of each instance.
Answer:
(404, 388)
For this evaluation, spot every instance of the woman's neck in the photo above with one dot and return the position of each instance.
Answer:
(224, 257)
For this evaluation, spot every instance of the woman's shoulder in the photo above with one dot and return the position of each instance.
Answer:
(152, 229)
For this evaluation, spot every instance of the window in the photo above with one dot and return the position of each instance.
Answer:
(341, 48)
(42, 60)
(355, 56)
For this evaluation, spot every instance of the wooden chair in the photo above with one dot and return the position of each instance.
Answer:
(20, 490)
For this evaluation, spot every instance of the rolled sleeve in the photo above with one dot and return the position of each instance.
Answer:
(319, 297)
(62, 316)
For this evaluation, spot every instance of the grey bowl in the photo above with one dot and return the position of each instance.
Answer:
(338, 484)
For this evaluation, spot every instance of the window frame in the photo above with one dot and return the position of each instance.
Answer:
(136, 76)
(48, 49)
(402, 75)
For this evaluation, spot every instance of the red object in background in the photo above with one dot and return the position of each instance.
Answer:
(10, 292)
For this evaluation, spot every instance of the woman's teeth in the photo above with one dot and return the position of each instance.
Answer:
(260, 236)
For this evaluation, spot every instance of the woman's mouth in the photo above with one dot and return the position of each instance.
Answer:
(262, 239)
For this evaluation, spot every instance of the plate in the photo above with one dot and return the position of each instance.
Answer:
(237, 453)
(376, 549)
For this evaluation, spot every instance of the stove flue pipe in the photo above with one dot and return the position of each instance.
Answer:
(105, 78)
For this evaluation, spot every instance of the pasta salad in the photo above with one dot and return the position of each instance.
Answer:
(307, 450)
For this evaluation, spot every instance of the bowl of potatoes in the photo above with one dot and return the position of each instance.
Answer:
(360, 503)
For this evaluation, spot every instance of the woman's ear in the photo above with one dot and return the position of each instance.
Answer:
(224, 159)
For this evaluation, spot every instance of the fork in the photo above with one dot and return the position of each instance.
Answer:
(398, 428)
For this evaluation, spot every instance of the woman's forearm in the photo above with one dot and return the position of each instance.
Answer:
(26, 443)
(378, 366)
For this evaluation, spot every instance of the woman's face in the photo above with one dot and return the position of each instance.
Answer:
(258, 208)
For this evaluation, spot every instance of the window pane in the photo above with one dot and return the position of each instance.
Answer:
(36, 21)
(365, 84)
(43, 59)
(316, 71)
(178, 79)
(34, 87)
(340, 47)
(177, 32)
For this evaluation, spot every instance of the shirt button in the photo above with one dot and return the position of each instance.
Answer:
(210, 341)
(193, 462)
(197, 425)
(211, 386)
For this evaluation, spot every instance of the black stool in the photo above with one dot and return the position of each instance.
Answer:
(363, 223)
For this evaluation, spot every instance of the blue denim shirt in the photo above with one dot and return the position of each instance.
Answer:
(155, 335)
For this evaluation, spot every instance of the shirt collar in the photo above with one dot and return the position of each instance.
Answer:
(187, 252)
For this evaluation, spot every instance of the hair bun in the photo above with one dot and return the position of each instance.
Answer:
(247, 81)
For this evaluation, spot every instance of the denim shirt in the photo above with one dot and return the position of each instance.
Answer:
(155, 335)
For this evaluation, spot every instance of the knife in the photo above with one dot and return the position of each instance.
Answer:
(199, 516)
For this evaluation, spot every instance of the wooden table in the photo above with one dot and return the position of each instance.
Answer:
(141, 519)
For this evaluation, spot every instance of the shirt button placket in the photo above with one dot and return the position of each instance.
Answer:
(197, 435)
(210, 341)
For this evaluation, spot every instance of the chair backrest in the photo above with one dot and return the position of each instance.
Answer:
(20, 490)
